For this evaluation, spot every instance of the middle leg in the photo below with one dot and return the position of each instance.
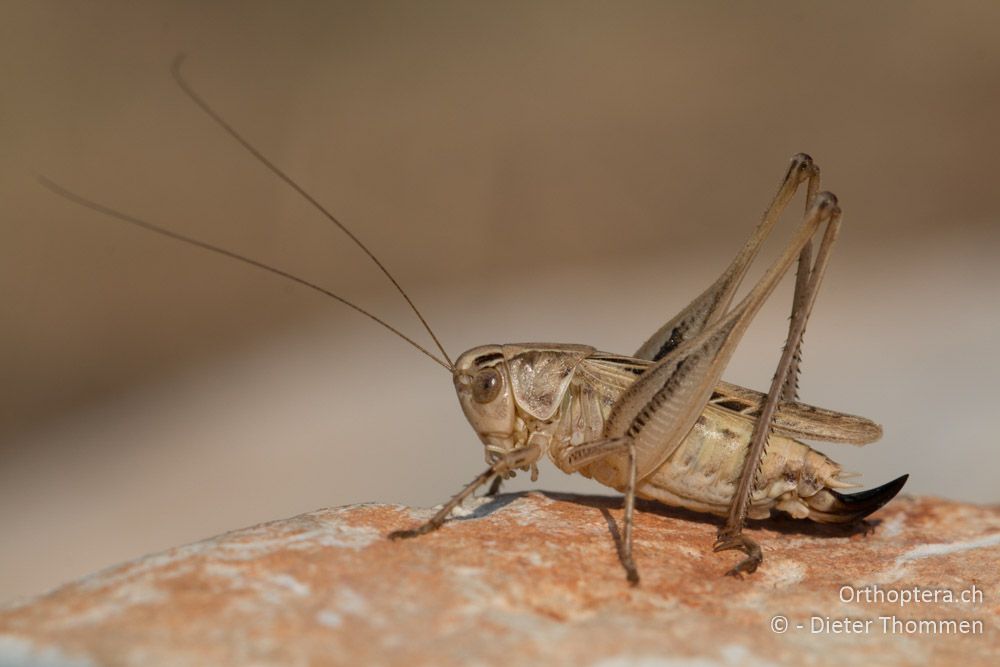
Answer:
(575, 457)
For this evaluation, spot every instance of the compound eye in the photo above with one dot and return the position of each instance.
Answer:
(486, 385)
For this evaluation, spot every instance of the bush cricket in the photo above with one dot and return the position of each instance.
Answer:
(660, 424)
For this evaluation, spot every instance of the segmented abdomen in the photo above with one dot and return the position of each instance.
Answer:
(703, 471)
(702, 474)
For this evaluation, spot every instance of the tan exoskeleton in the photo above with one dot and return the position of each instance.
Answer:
(660, 424)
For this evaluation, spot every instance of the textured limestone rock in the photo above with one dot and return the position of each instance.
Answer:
(533, 579)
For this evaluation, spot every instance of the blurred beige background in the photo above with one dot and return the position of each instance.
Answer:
(554, 171)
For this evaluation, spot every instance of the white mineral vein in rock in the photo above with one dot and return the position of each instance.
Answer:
(945, 548)
(899, 567)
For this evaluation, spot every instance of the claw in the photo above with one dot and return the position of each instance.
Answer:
(748, 565)
(755, 557)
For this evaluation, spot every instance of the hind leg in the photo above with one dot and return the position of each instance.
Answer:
(731, 536)
(712, 304)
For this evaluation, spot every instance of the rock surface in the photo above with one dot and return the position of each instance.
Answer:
(533, 579)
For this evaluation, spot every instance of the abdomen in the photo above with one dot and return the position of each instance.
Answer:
(703, 472)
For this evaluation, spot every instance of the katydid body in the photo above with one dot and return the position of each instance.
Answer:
(659, 424)
(557, 417)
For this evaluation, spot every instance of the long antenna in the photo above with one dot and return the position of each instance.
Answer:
(221, 122)
(124, 217)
